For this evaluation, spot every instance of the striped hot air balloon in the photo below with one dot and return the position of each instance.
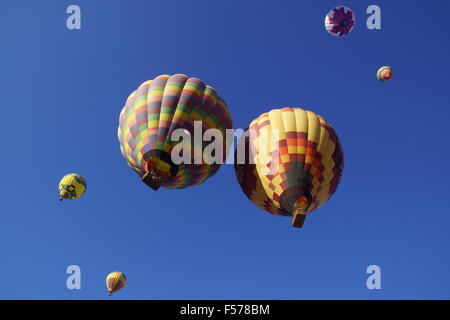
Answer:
(150, 116)
(339, 21)
(293, 162)
(385, 73)
(115, 281)
(71, 186)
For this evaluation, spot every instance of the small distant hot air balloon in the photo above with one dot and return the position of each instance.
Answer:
(385, 73)
(150, 116)
(298, 173)
(71, 186)
(115, 281)
(339, 21)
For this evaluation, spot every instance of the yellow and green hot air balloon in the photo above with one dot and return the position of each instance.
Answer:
(292, 164)
(115, 281)
(153, 112)
(71, 186)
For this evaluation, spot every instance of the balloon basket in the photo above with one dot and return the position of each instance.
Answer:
(298, 220)
(152, 180)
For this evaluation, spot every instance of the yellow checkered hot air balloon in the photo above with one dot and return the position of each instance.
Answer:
(292, 164)
(71, 186)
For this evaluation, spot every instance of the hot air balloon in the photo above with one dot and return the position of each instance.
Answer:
(115, 281)
(339, 21)
(71, 186)
(292, 164)
(385, 73)
(150, 116)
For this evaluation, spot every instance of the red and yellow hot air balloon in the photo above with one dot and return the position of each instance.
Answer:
(151, 115)
(385, 73)
(292, 164)
(115, 281)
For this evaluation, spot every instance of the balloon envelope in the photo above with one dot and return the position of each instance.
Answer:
(339, 21)
(71, 186)
(385, 73)
(115, 281)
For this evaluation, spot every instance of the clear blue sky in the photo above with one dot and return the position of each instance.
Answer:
(61, 95)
